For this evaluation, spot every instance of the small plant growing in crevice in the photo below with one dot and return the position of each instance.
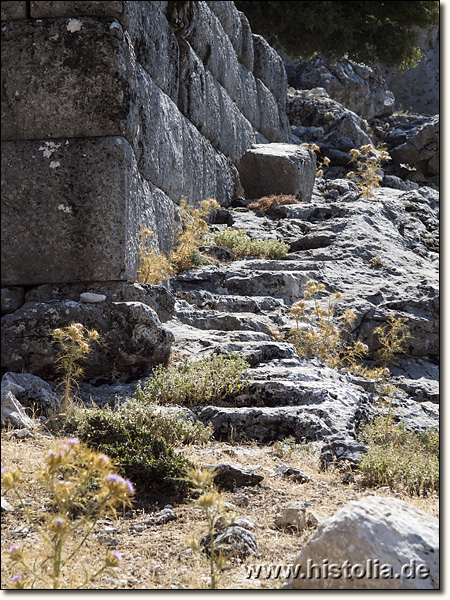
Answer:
(212, 504)
(211, 380)
(270, 204)
(186, 254)
(322, 162)
(75, 341)
(242, 244)
(154, 267)
(368, 164)
(82, 487)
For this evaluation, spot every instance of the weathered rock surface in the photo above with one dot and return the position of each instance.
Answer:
(155, 296)
(373, 535)
(131, 336)
(268, 169)
(417, 90)
(233, 476)
(413, 144)
(355, 86)
(31, 392)
(380, 255)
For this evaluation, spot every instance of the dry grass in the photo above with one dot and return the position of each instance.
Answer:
(158, 556)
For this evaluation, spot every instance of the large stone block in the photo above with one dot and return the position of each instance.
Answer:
(154, 43)
(237, 28)
(13, 10)
(269, 169)
(52, 10)
(72, 211)
(66, 78)
(273, 124)
(269, 67)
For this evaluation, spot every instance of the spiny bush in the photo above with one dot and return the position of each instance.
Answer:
(194, 219)
(75, 342)
(322, 162)
(211, 380)
(320, 333)
(404, 460)
(155, 267)
(270, 204)
(170, 426)
(81, 487)
(368, 164)
(242, 244)
(212, 504)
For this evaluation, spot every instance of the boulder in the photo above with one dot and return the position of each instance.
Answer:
(295, 516)
(232, 476)
(31, 391)
(13, 413)
(357, 87)
(156, 297)
(374, 543)
(12, 299)
(268, 169)
(234, 541)
(131, 336)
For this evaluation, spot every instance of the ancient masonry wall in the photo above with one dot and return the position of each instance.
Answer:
(111, 111)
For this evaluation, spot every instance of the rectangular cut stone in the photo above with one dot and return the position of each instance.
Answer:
(49, 10)
(72, 211)
(13, 10)
(66, 78)
(154, 42)
(237, 28)
(116, 96)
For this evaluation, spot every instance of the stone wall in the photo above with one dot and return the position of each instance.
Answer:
(111, 112)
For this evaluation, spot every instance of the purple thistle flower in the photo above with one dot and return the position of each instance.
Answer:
(15, 578)
(117, 555)
(15, 548)
(130, 486)
(114, 479)
(3, 470)
(73, 441)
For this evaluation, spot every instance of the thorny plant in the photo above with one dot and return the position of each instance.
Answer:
(404, 460)
(322, 161)
(75, 341)
(155, 267)
(325, 336)
(368, 164)
(212, 503)
(82, 488)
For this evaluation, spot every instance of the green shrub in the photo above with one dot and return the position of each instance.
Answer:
(171, 427)
(242, 244)
(211, 380)
(136, 449)
(404, 460)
